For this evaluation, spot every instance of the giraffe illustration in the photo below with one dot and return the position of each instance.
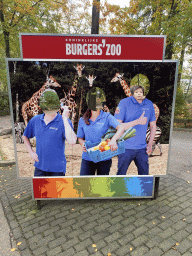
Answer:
(79, 69)
(91, 79)
(31, 107)
(69, 98)
(126, 88)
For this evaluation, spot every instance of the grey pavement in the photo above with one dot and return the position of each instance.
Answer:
(7, 242)
(97, 227)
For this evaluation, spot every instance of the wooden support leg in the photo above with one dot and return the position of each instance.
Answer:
(156, 189)
(39, 204)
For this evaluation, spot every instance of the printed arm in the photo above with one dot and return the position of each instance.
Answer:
(32, 153)
(142, 120)
(124, 126)
(82, 141)
(113, 143)
(69, 133)
(152, 136)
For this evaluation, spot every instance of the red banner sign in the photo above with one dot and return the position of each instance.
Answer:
(45, 46)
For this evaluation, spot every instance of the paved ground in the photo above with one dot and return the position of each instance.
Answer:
(104, 227)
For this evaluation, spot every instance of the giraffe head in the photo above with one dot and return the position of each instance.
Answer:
(51, 82)
(117, 77)
(91, 79)
(79, 69)
(125, 86)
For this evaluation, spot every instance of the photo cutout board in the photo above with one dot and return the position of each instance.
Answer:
(72, 80)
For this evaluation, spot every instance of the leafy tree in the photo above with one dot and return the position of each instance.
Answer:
(163, 17)
(24, 16)
(16, 16)
(180, 104)
(76, 17)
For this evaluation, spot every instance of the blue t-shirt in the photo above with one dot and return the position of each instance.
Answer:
(129, 109)
(50, 142)
(96, 129)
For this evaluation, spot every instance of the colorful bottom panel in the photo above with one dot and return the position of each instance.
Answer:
(93, 187)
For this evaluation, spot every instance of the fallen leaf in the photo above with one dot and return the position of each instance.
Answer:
(95, 250)
(19, 243)
(139, 204)
(153, 223)
(72, 209)
(174, 248)
(131, 248)
(188, 181)
(13, 249)
(163, 217)
(184, 219)
(177, 244)
(94, 245)
(109, 254)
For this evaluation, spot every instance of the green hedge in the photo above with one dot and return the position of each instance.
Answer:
(182, 123)
(4, 104)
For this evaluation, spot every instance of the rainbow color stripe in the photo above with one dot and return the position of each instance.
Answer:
(93, 187)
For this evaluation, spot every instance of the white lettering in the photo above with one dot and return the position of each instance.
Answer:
(84, 49)
(113, 49)
(100, 50)
(94, 49)
(68, 49)
(89, 49)
(118, 50)
(108, 49)
(79, 49)
(74, 49)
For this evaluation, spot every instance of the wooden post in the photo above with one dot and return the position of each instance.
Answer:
(17, 108)
(39, 206)
(95, 17)
(156, 189)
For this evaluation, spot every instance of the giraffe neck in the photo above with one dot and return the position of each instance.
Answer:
(41, 90)
(125, 87)
(74, 87)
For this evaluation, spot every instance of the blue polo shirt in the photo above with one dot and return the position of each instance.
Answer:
(50, 142)
(129, 109)
(96, 129)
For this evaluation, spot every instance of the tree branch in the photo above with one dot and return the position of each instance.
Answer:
(23, 15)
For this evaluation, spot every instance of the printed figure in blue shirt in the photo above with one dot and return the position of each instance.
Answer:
(136, 111)
(92, 126)
(50, 129)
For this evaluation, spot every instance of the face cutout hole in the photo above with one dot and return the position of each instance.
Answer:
(95, 98)
(141, 80)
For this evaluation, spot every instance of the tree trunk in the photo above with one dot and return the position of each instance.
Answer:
(181, 63)
(7, 47)
(169, 50)
(5, 32)
(170, 39)
(95, 17)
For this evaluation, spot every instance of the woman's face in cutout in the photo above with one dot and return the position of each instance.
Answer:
(95, 98)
